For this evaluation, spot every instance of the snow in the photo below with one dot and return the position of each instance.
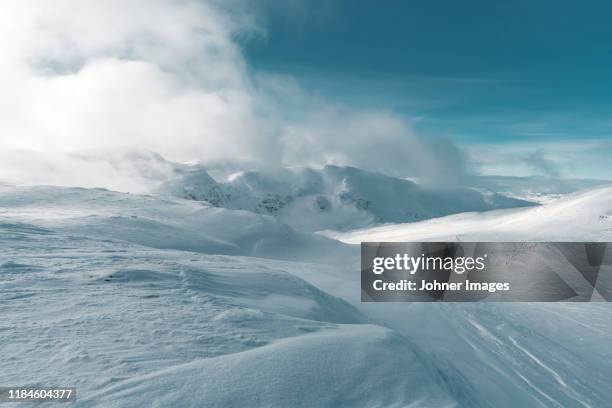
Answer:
(145, 300)
(346, 370)
(124, 322)
(581, 216)
(162, 223)
(332, 197)
(520, 354)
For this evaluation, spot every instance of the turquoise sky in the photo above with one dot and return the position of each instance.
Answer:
(523, 78)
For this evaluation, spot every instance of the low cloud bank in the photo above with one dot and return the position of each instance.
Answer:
(164, 76)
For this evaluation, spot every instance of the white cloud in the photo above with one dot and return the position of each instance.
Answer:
(375, 140)
(167, 76)
(162, 75)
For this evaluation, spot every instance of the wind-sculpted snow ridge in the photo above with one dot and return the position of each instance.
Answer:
(164, 223)
(513, 354)
(348, 366)
(131, 325)
(332, 197)
(581, 216)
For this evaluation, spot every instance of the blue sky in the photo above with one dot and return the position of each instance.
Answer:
(527, 78)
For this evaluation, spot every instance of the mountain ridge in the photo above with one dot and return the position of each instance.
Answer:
(332, 197)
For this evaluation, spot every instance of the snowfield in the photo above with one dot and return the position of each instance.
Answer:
(163, 223)
(581, 216)
(161, 301)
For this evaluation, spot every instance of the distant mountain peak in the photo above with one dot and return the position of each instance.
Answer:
(332, 197)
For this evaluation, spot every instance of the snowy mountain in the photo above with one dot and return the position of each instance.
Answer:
(332, 197)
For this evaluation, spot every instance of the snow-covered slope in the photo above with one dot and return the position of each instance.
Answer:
(520, 354)
(134, 325)
(163, 223)
(143, 300)
(513, 354)
(332, 197)
(582, 216)
(319, 367)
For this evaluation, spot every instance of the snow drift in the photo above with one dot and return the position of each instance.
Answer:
(164, 223)
(338, 367)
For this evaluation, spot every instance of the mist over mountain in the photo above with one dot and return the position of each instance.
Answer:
(331, 197)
